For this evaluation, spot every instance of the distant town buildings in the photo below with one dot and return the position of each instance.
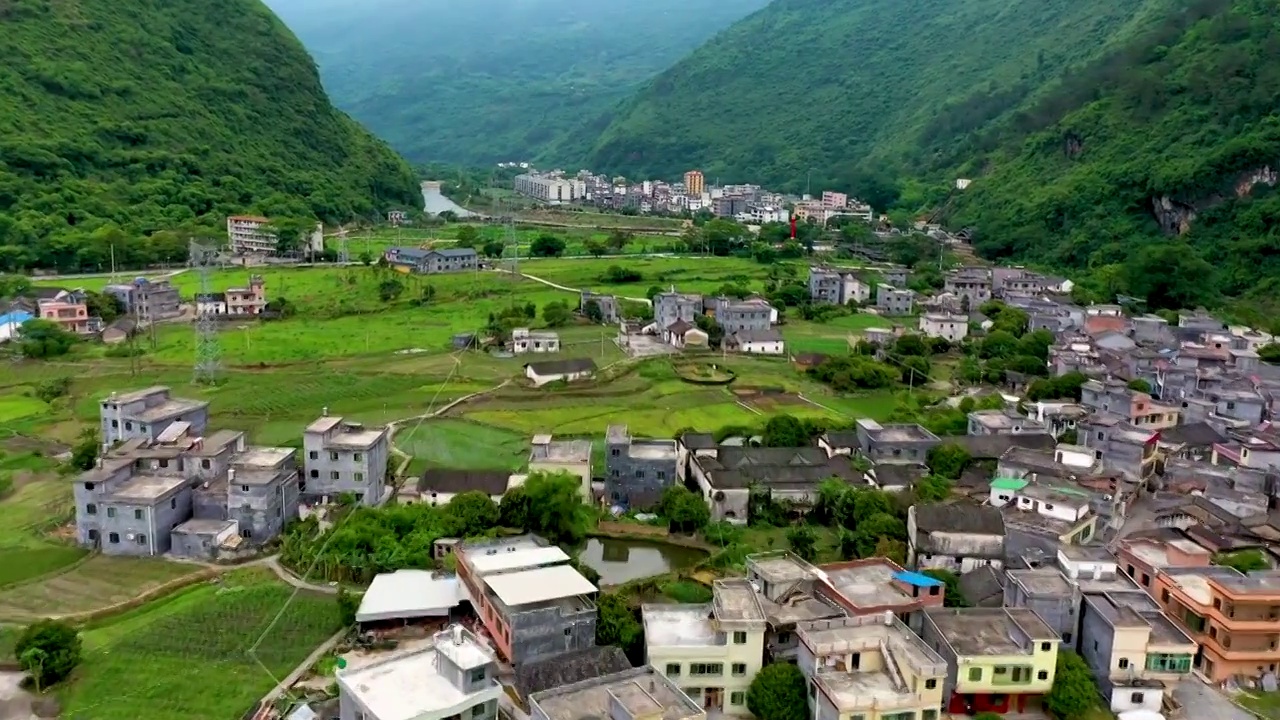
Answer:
(694, 183)
(248, 235)
(239, 302)
(147, 300)
(552, 187)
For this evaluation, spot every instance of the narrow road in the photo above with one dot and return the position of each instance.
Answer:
(273, 562)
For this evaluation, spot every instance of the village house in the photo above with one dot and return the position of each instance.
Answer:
(749, 315)
(548, 455)
(1057, 513)
(894, 443)
(952, 328)
(147, 300)
(455, 676)
(726, 477)
(69, 310)
(118, 331)
(894, 302)
(997, 658)
(530, 598)
(638, 694)
(424, 261)
(147, 413)
(547, 372)
(438, 486)
(571, 668)
(639, 470)
(608, 305)
(755, 342)
(1003, 422)
(870, 666)
(682, 334)
(957, 537)
(345, 457)
(1055, 591)
(524, 340)
(837, 286)
(1135, 652)
(1118, 444)
(973, 283)
(668, 307)
(788, 591)
(717, 647)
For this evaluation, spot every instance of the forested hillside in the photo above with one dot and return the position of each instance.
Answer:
(1152, 169)
(485, 81)
(122, 118)
(838, 87)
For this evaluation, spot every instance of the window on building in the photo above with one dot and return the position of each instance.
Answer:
(1136, 698)
(673, 669)
(739, 638)
(93, 535)
(164, 463)
(315, 474)
(702, 669)
(1066, 638)
(1164, 596)
(111, 512)
(737, 698)
(930, 684)
(662, 474)
(478, 675)
(1128, 569)
(313, 455)
(359, 477)
(928, 715)
(246, 533)
(115, 423)
(142, 539)
(1145, 580)
(975, 674)
(739, 669)
(1217, 603)
(137, 514)
(357, 457)
(205, 464)
(333, 456)
(614, 452)
(88, 486)
(1123, 663)
(113, 537)
(333, 474)
(1042, 675)
(1046, 647)
(640, 474)
(91, 509)
(477, 711)
(128, 426)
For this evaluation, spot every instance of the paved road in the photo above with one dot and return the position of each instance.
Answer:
(1201, 702)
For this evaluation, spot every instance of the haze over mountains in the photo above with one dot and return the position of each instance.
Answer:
(484, 81)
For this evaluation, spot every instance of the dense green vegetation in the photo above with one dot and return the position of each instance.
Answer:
(814, 85)
(487, 81)
(1141, 167)
(136, 123)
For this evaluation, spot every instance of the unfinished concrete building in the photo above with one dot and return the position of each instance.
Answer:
(345, 457)
(638, 470)
(147, 413)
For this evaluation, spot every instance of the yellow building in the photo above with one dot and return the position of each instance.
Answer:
(870, 667)
(997, 658)
(694, 183)
(711, 651)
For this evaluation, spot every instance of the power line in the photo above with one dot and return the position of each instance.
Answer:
(208, 354)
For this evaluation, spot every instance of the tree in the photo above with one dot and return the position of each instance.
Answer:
(44, 339)
(948, 460)
(547, 246)
(954, 597)
(556, 510)
(895, 550)
(513, 509)
(785, 431)
(107, 307)
(1243, 560)
(997, 344)
(684, 509)
(910, 344)
(1269, 353)
(348, 605)
(48, 651)
(803, 541)
(471, 513)
(557, 313)
(933, 488)
(616, 623)
(848, 544)
(871, 531)
(595, 247)
(85, 454)
(1073, 695)
(593, 312)
(778, 692)
(390, 289)
(468, 236)
(915, 370)
(618, 240)
(12, 286)
(1139, 385)
(493, 249)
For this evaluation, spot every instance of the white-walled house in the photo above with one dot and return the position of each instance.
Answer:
(756, 342)
(952, 328)
(1075, 455)
(543, 373)
(524, 340)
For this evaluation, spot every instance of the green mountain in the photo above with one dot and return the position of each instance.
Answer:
(122, 118)
(1153, 170)
(832, 88)
(482, 81)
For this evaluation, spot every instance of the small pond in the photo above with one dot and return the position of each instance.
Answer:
(620, 561)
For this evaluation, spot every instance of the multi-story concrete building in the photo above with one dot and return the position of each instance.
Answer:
(567, 456)
(892, 301)
(1003, 422)
(455, 677)
(552, 188)
(669, 307)
(147, 413)
(1135, 652)
(638, 470)
(837, 286)
(1119, 445)
(726, 476)
(894, 443)
(637, 694)
(973, 283)
(608, 305)
(524, 340)
(713, 649)
(345, 457)
(789, 592)
(430, 262)
(532, 601)
(1055, 592)
(251, 235)
(752, 315)
(249, 300)
(147, 300)
(694, 183)
(873, 667)
(68, 309)
(952, 328)
(958, 537)
(997, 658)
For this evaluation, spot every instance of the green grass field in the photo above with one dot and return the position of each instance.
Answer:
(207, 653)
(98, 583)
(463, 445)
(38, 499)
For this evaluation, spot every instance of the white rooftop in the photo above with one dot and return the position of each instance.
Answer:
(409, 686)
(678, 626)
(409, 594)
(534, 586)
(512, 557)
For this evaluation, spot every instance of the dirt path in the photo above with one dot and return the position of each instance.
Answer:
(566, 288)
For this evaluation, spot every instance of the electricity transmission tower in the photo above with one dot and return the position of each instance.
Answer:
(203, 259)
(344, 253)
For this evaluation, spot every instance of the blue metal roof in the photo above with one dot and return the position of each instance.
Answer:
(16, 317)
(915, 578)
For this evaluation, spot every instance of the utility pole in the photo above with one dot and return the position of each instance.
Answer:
(207, 364)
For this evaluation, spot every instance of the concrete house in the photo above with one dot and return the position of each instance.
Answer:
(568, 456)
(345, 457)
(973, 283)
(871, 666)
(455, 677)
(892, 301)
(608, 305)
(958, 537)
(894, 443)
(952, 328)
(545, 373)
(638, 470)
(751, 315)
(669, 307)
(837, 286)
(1003, 422)
(438, 486)
(524, 340)
(1119, 445)
(788, 590)
(430, 262)
(638, 694)
(147, 300)
(997, 658)
(146, 414)
(716, 648)
(124, 512)
(534, 604)
(756, 342)
(1055, 591)
(1135, 652)
(726, 477)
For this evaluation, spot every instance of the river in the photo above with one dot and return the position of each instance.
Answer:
(621, 561)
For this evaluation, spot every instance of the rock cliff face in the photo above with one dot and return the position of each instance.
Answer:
(1175, 216)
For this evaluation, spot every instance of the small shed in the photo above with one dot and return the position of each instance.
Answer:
(406, 595)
